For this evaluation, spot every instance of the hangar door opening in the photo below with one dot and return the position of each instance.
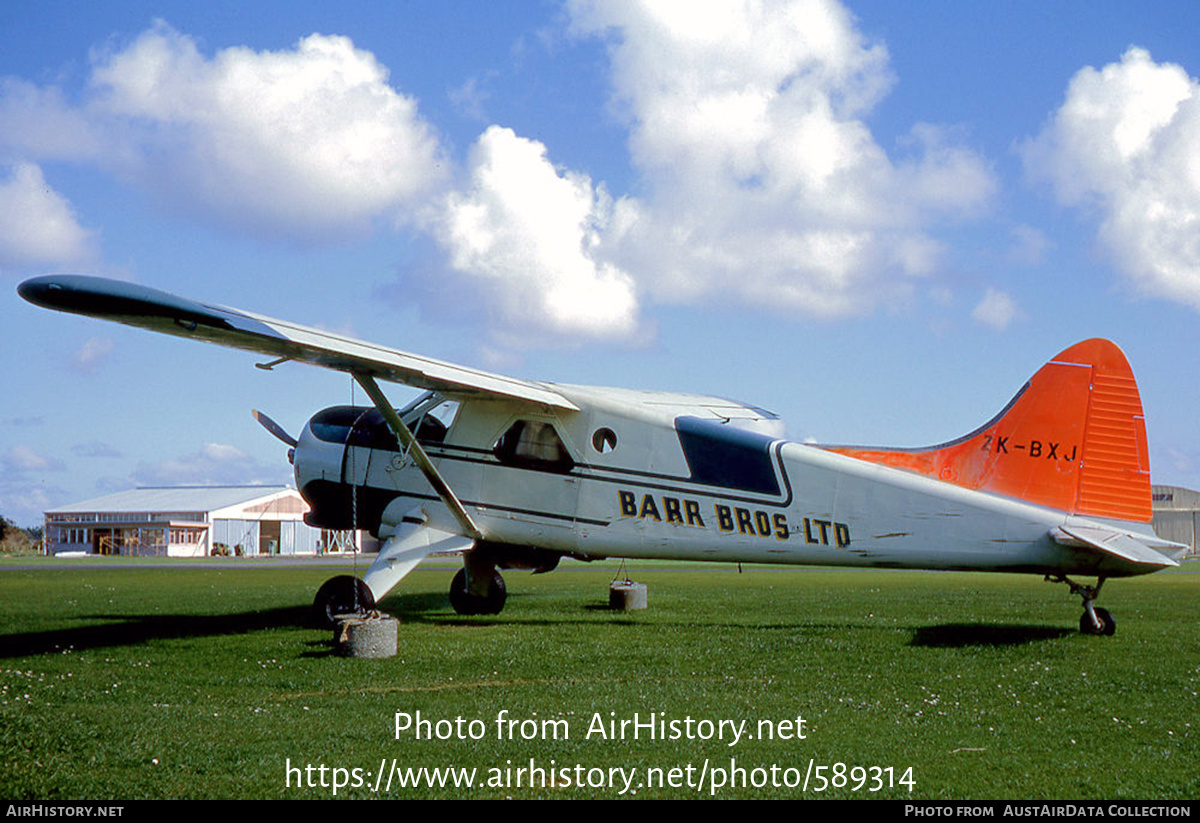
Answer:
(270, 537)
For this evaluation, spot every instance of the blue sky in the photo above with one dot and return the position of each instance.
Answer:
(876, 219)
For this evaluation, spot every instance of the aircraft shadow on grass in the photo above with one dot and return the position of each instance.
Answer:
(959, 635)
(113, 630)
(431, 608)
(110, 630)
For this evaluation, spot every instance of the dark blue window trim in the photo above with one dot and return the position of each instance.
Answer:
(721, 455)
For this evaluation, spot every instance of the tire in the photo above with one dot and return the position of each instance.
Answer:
(1108, 625)
(466, 603)
(344, 594)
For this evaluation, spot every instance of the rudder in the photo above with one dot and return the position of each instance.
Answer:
(1073, 438)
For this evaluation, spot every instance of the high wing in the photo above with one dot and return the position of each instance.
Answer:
(148, 308)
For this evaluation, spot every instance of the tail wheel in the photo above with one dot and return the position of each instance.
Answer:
(466, 602)
(1095, 620)
(1108, 625)
(344, 594)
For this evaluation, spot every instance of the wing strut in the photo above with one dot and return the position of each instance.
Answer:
(409, 442)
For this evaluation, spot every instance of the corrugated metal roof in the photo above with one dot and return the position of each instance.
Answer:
(172, 499)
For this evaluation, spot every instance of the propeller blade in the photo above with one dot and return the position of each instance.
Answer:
(273, 427)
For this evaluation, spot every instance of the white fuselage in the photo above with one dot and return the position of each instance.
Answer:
(648, 475)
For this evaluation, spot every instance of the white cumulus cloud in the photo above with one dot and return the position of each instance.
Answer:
(88, 357)
(22, 458)
(40, 122)
(307, 143)
(997, 310)
(37, 225)
(1126, 144)
(312, 138)
(759, 181)
(530, 234)
(764, 183)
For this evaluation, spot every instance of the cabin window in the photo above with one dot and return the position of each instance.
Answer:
(726, 456)
(604, 440)
(533, 444)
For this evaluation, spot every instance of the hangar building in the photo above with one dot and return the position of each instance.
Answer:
(1177, 515)
(191, 521)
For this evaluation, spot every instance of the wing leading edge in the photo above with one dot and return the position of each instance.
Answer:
(160, 311)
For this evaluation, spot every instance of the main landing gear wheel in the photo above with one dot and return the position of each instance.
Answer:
(344, 594)
(1107, 624)
(465, 601)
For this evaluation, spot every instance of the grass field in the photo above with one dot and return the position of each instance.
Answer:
(197, 680)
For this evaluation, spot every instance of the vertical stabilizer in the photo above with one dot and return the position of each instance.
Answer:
(1074, 438)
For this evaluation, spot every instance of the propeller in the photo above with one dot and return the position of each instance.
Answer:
(273, 427)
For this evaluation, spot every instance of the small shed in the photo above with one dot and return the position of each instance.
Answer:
(191, 521)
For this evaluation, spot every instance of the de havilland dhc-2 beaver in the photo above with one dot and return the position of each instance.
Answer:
(516, 473)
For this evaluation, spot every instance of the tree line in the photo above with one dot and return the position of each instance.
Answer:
(17, 540)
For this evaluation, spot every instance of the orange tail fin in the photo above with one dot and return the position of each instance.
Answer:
(1074, 438)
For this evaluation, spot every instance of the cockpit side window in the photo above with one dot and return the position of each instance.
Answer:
(372, 431)
(436, 420)
(533, 444)
(429, 417)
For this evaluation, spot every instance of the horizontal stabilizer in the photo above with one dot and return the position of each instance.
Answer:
(1142, 549)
